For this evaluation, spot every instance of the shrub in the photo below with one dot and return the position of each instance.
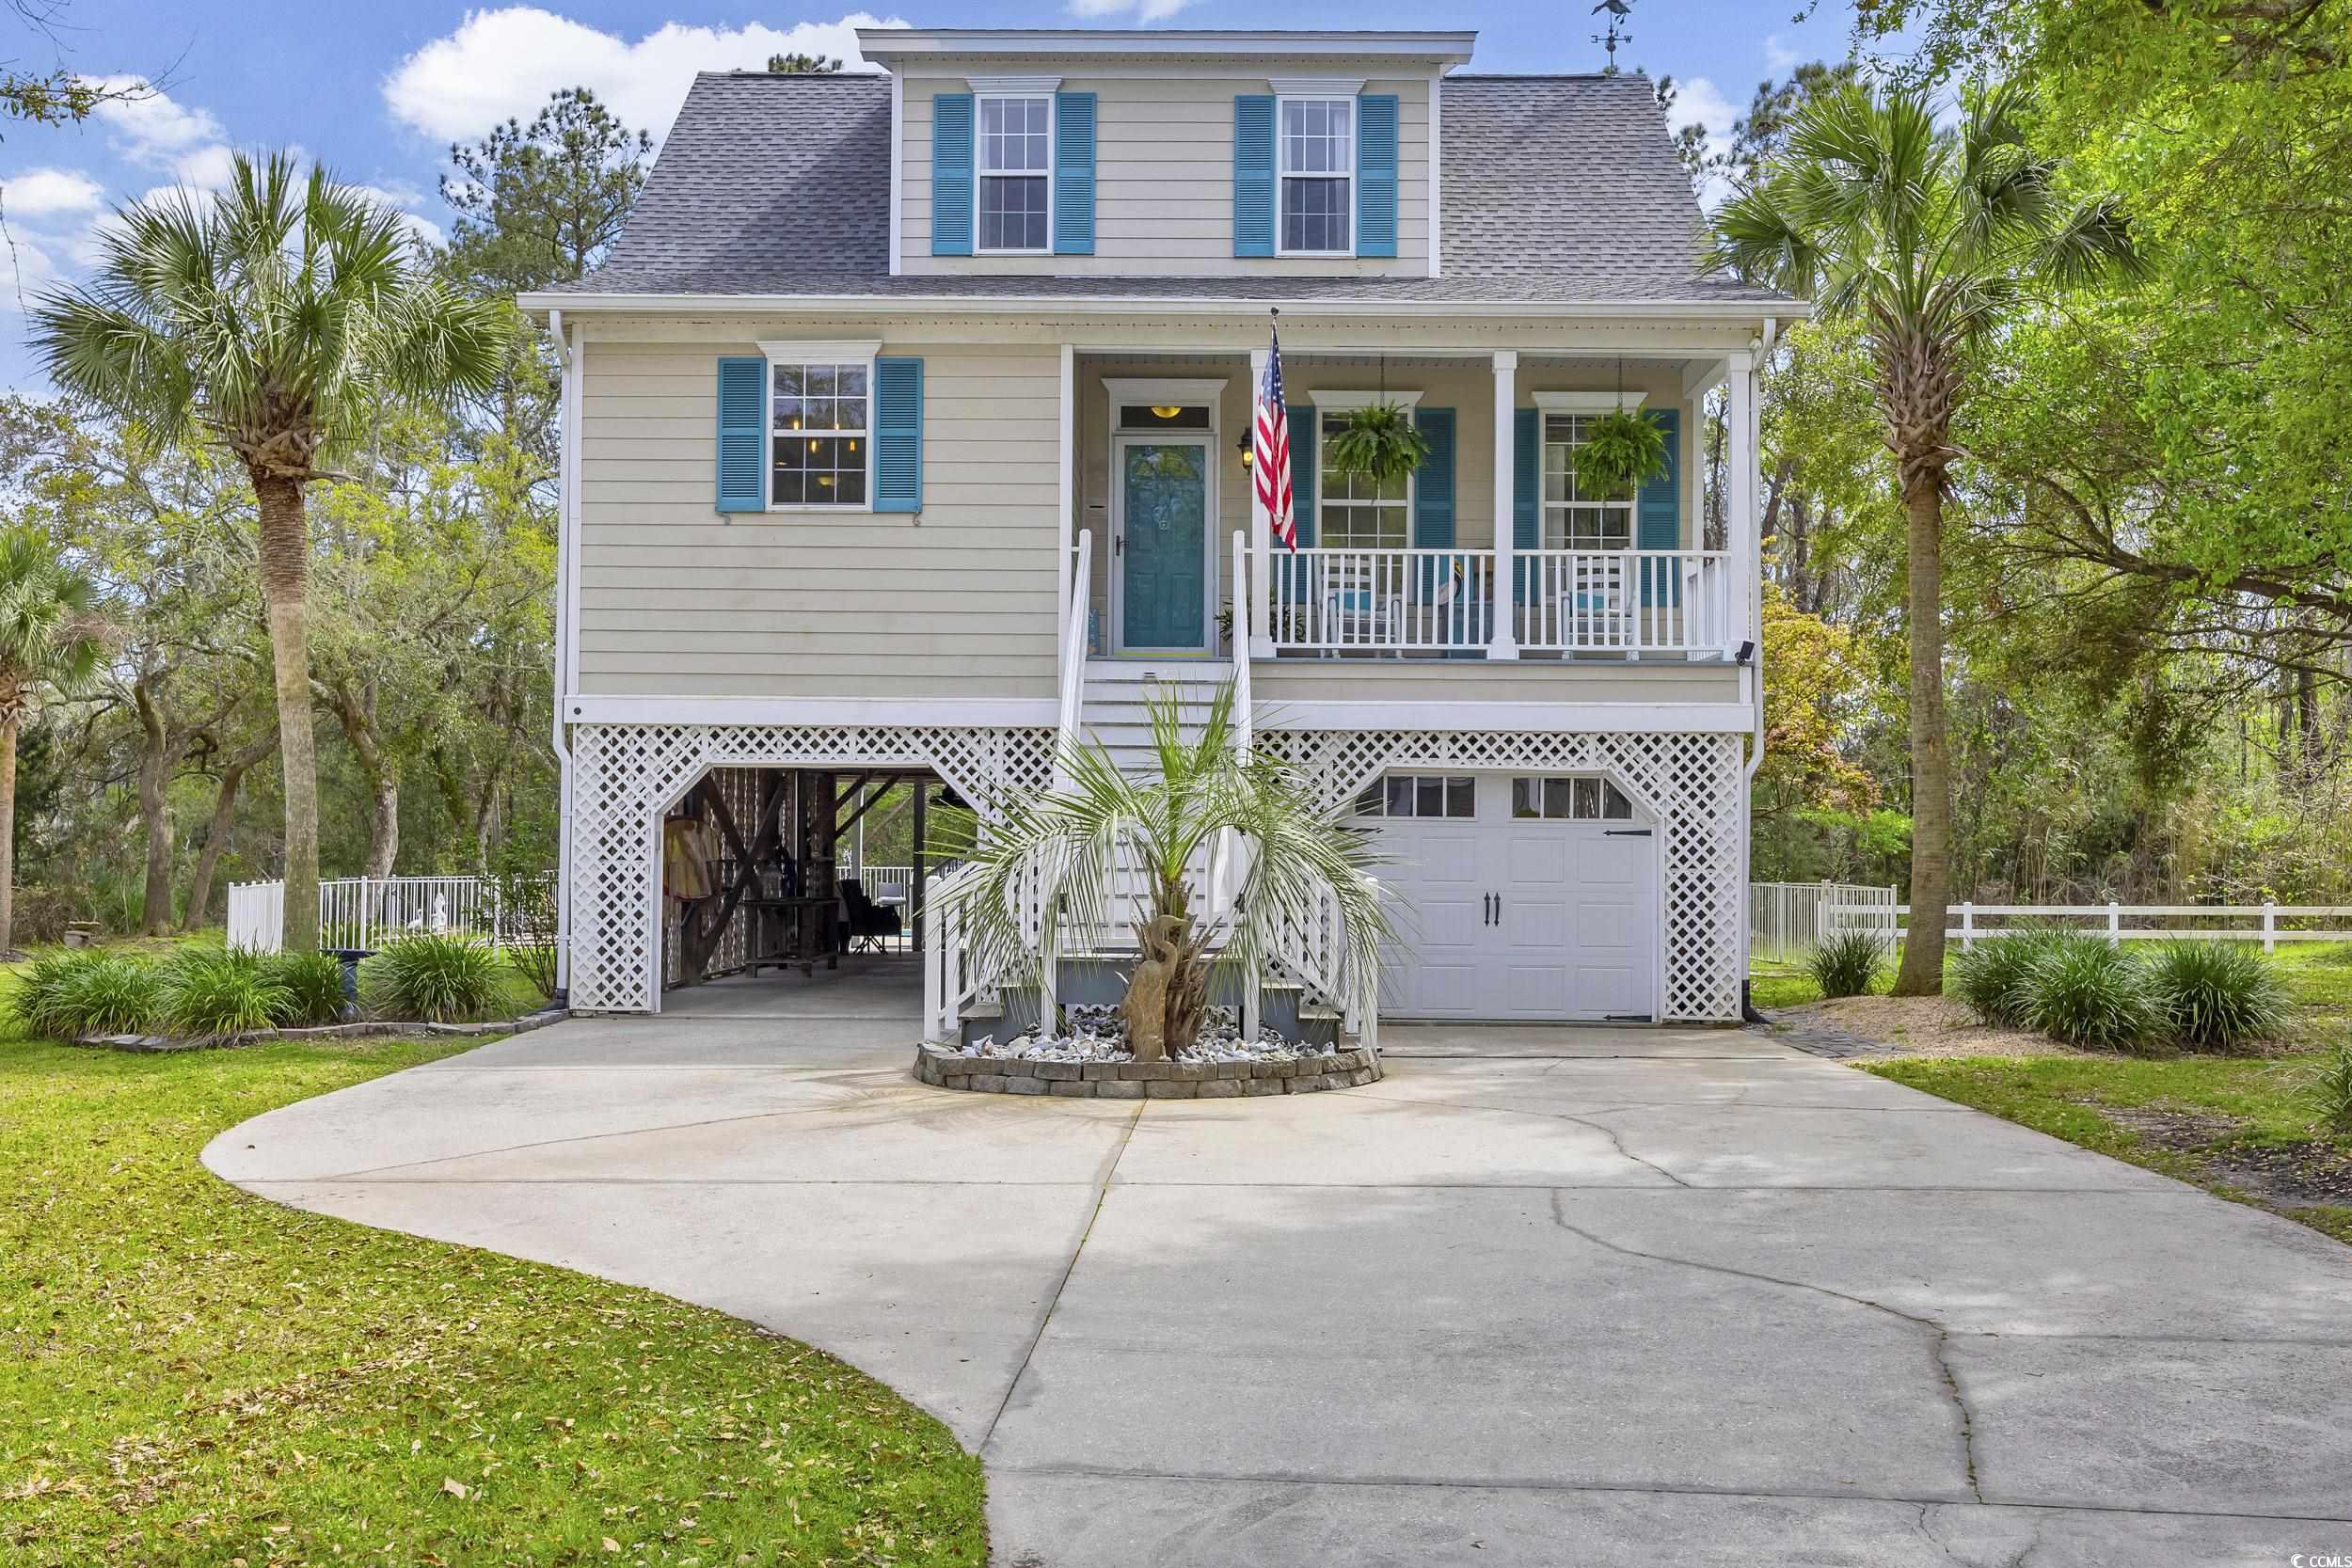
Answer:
(2088, 992)
(2330, 1088)
(527, 918)
(443, 979)
(1847, 964)
(314, 987)
(42, 914)
(1993, 978)
(68, 994)
(211, 991)
(2215, 995)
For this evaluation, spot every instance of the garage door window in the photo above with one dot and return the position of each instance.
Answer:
(1419, 795)
(1569, 800)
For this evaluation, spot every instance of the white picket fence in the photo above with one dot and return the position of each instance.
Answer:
(1787, 919)
(2118, 923)
(368, 911)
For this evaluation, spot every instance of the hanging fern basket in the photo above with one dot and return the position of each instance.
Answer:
(1378, 441)
(1620, 452)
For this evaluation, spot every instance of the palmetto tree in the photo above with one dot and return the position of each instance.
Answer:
(48, 638)
(276, 318)
(1932, 237)
(1101, 847)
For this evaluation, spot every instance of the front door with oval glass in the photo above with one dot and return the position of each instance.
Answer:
(1162, 533)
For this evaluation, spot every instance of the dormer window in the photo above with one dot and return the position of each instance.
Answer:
(1016, 150)
(1315, 153)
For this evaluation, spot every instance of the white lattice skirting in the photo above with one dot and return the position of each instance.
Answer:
(626, 776)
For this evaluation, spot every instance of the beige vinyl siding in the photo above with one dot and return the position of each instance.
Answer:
(1164, 183)
(676, 599)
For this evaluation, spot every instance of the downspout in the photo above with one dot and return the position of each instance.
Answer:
(566, 554)
(1755, 445)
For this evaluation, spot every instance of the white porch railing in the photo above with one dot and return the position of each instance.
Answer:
(1074, 639)
(1787, 919)
(1441, 601)
(1630, 602)
(368, 911)
(2118, 923)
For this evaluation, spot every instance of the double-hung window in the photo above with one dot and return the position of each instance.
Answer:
(1016, 179)
(1353, 512)
(1315, 160)
(820, 445)
(1573, 520)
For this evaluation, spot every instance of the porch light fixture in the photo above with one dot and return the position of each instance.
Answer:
(1164, 411)
(1249, 456)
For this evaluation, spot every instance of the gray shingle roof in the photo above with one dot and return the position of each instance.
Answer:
(1555, 190)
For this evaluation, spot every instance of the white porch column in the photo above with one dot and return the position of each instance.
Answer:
(1742, 517)
(1504, 643)
(1260, 534)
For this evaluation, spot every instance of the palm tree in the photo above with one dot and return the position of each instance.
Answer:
(1932, 238)
(1063, 851)
(275, 321)
(48, 638)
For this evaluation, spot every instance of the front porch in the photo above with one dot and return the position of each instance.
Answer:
(1486, 553)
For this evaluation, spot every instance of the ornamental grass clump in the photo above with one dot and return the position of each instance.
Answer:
(2215, 995)
(70, 994)
(1847, 964)
(1994, 979)
(210, 992)
(314, 987)
(2088, 992)
(439, 979)
(2330, 1089)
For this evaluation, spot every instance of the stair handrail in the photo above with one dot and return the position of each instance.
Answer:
(1073, 642)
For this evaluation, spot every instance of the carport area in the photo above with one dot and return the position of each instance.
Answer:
(1544, 1296)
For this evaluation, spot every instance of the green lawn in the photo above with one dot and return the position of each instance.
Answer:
(2233, 1125)
(189, 1375)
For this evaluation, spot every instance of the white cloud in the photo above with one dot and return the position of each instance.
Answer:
(507, 61)
(51, 193)
(154, 128)
(1137, 10)
(1779, 57)
(401, 199)
(26, 268)
(1698, 101)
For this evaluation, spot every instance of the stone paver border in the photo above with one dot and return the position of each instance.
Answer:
(1331, 1070)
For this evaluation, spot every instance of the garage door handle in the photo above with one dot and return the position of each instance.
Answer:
(1625, 832)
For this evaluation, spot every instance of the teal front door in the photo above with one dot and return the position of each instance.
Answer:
(1164, 545)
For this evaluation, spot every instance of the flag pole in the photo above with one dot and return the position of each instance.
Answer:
(1261, 598)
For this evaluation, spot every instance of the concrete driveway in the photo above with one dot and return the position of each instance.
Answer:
(1544, 1296)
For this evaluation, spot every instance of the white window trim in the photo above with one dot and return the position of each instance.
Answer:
(1309, 92)
(815, 350)
(1347, 402)
(1014, 88)
(1586, 403)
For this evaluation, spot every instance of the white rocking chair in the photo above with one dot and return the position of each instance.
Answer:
(1356, 614)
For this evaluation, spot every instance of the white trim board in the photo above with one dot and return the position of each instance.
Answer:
(1585, 402)
(1473, 716)
(951, 712)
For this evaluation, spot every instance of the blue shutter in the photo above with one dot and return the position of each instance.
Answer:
(951, 174)
(1527, 479)
(742, 435)
(1375, 174)
(1433, 482)
(1301, 419)
(1253, 174)
(1658, 511)
(898, 434)
(1073, 174)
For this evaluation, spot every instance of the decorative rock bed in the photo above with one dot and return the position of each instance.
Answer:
(1093, 1063)
(1124, 1078)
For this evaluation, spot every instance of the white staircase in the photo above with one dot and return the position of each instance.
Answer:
(1116, 708)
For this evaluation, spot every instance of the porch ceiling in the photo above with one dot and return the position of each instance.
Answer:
(1327, 358)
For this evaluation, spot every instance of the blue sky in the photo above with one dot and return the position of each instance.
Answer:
(379, 90)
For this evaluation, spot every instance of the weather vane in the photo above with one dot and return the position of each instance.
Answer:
(1619, 10)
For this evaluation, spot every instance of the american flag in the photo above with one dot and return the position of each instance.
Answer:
(1271, 457)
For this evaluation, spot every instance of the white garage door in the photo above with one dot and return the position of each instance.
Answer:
(1517, 897)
